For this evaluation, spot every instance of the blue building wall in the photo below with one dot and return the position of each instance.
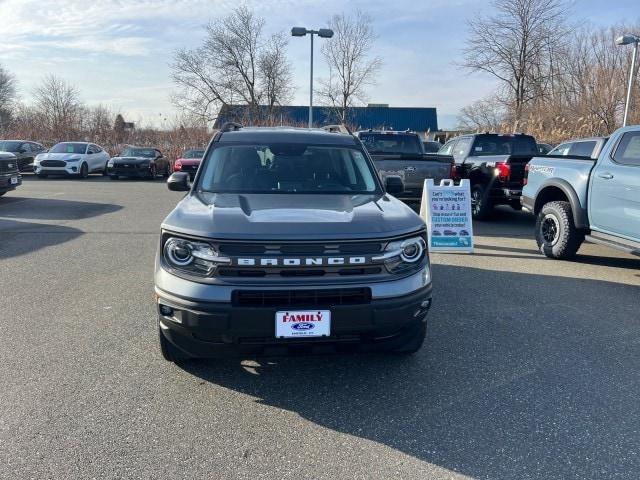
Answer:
(390, 118)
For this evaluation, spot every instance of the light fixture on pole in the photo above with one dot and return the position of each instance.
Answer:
(627, 40)
(323, 33)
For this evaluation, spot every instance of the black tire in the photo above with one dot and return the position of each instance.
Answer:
(153, 173)
(167, 172)
(105, 172)
(42, 175)
(84, 171)
(517, 206)
(168, 351)
(556, 234)
(413, 343)
(481, 205)
(2, 193)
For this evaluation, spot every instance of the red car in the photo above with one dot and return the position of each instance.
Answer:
(189, 162)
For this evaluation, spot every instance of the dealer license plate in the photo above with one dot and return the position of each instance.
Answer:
(14, 180)
(306, 323)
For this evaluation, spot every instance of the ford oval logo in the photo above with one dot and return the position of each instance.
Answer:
(303, 326)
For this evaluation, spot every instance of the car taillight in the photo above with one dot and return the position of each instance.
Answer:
(503, 171)
(177, 166)
(454, 172)
(526, 174)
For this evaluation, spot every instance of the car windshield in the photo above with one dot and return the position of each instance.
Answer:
(391, 143)
(69, 148)
(193, 154)
(504, 145)
(9, 146)
(290, 168)
(139, 152)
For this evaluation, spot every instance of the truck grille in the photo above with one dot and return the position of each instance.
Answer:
(53, 163)
(299, 298)
(8, 166)
(300, 251)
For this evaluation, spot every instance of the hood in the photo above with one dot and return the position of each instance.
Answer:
(272, 216)
(59, 156)
(130, 160)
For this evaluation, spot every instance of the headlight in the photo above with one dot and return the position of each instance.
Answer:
(404, 255)
(74, 159)
(110, 163)
(190, 256)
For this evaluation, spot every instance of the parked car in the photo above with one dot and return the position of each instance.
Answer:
(286, 239)
(10, 177)
(577, 197)
(25, 152)
(495, 166)
(544, 148)
(401, 154)
(431, 146)
(189, 162)
(583, 147)
(139, 162)
(71, 158)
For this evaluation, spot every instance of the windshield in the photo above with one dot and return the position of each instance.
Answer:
(504, 145)
(9, 146)
(139, 152)
(193, 154)
(391, 143)
(290, 168)
(69, 148)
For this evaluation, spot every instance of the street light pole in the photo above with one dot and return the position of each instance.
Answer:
(626, 40)
(311, 86)
(301, 32)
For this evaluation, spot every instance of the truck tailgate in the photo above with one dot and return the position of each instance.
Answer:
(414, 170)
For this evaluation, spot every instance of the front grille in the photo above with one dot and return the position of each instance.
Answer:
(302, 249)
(8, 166)
(53, 163)
(300, 298)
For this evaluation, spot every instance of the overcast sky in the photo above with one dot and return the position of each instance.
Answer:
(117, 51)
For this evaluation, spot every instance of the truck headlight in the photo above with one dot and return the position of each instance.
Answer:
(190, 256)
(402, 255)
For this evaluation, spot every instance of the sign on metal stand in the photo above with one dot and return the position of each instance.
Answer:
(446, 209)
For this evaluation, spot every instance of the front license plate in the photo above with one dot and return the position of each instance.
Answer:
(307, 323)
(14, 180)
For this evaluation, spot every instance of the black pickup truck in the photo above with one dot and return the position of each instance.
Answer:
(495, 165)
(401, 154)
(10, 177)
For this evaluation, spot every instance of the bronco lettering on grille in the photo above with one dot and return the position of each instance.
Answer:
(295, 262)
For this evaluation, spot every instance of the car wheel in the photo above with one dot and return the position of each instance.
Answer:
(105, 172)
(168, 351)
(152, 172)
(167, 172)
(413, 343)
(481, 206)
(556, 235)
(517, 206)
(84, 171)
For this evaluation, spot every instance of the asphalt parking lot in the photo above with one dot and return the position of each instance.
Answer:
(530, 368)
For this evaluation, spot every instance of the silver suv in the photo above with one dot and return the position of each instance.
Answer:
(287, 239)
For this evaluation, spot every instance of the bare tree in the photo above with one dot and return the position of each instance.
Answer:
(514, 45)
(351, 67)
(483, 115)
(7, 96)
(59, 108)
(235, 65)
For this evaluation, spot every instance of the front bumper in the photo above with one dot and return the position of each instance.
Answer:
(201, 329)
(6, 182)
(131, 171)
(69, 169)
(205, 321)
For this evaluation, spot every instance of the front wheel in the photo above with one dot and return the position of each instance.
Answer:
(167, 350)
(413, 343)
(481, 206)
(84, 171)
(167, 172)
(556, 234)
(105, 172)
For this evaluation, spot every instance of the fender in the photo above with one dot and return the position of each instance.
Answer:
(580, 217)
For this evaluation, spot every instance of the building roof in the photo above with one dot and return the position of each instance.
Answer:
(419, 119)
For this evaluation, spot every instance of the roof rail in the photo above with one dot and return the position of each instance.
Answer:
(230, 127)
(337, 129)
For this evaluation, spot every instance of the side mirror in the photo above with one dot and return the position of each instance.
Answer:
(393, 184)
(179, 182)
